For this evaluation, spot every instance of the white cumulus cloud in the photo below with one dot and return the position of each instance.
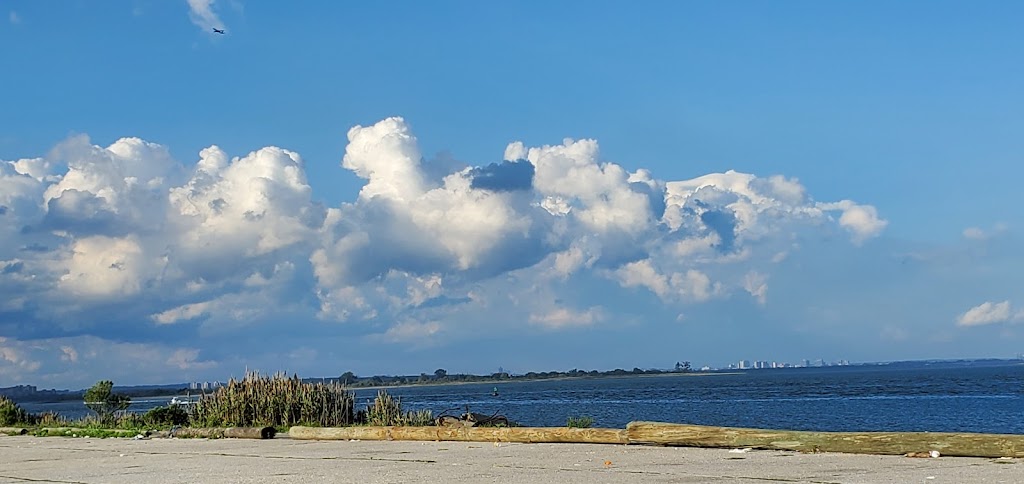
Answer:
(562, 318)
(757, 285)
(861, 220)
(412, 332)
(201, 13)
(234, 248)
(977, 233)
(990, 313)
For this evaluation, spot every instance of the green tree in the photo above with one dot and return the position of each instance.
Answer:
(347, 378)
(440, 373)
(102, 400)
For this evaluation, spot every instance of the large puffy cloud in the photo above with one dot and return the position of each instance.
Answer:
(104, 266)
(559, 200)
(402, 222)
(126, 224)
(235, 248)
(246, 207)
(603, 196)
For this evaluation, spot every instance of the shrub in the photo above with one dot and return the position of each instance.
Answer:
(582, 422)
(12, 414)
(166, 416)
(275, 401)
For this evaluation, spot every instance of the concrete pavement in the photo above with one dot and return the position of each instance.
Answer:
(90, 460)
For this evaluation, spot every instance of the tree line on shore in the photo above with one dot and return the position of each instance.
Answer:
(441, 375)
(28, 393)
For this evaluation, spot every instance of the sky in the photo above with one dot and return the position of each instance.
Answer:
(393, 188)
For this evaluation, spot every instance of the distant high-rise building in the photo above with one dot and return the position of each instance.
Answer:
(744, 364)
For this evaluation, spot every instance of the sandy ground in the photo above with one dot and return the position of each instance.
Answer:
(90, 460)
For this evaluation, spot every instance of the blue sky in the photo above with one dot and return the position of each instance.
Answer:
(393, 188)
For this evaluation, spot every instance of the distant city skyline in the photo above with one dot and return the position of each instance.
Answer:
(337, 186)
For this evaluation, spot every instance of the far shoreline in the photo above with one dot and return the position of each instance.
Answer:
(536, 380)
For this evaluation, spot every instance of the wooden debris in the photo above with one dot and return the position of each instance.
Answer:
(464, 434)
(222, 433)
(890, 443)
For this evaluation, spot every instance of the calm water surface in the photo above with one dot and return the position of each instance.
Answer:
(830, 399)
(966, 399)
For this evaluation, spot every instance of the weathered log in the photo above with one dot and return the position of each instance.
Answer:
(464, 434)
(249, 432)
(198, 433)
(228, 433)
(13, 430)
(339, 433)
(888, 443)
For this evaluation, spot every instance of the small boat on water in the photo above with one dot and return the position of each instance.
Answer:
(182, 400)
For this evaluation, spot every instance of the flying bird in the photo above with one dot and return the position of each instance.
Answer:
(218, 31)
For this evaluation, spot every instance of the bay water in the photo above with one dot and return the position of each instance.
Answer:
(939, 398)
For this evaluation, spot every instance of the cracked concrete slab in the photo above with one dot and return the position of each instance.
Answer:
(86, 460)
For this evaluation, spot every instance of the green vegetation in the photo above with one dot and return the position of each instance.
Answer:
(100, 433)
(50, 419)
(275, 401)
(259, 401)
(102, 400)
(12, 414)
(387, 411)
(255, 401)
(581, 422)
(168, 416)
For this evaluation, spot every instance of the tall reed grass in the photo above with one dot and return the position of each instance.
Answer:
(12, 414)
(274, 401)
(387, 411)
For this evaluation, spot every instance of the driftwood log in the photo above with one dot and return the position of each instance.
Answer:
(893, 443)
(13, 430)
(464, 434)
(885, 443)
(222, 433)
